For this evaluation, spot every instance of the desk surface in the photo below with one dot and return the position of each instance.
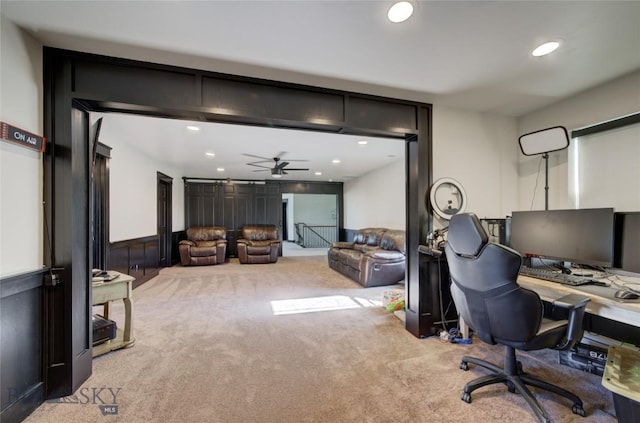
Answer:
(603, 303)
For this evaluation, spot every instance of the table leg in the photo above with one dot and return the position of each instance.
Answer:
(128, 320)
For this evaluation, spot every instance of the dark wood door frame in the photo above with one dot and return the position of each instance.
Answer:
(100, 83)
(165, 214)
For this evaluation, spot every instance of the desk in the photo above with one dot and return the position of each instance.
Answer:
(602, 303)
(121, 288)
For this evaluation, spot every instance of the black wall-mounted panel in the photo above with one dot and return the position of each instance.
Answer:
(272, 102)
(21, 326)
(121, 84)
(136, 257)
(382, 115)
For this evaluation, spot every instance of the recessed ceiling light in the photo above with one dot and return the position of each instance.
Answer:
(318, 173)
(210, 154)
(335, 161)
(545, 48)
(363, 142)
(193, 128)
(220, 169)
(400, 11)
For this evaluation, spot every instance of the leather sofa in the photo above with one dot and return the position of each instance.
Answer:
(375, 257)
(258, 244)
(204, 245)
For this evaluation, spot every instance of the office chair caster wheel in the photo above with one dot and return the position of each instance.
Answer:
(464, 366)
(577, 409)
(466, 397)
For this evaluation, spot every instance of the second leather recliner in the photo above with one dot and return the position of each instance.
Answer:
(258, 244)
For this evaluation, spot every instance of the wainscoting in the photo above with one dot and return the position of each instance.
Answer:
(21, 347)
(136, 257)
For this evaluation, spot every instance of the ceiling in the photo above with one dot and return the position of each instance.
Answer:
(471, 55)
(171, 142)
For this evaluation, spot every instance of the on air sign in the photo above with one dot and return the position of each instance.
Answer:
(21, 137)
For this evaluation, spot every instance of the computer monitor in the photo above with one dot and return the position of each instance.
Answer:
(627, 244)
(581, 236)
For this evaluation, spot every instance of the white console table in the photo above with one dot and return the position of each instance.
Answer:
(121, 288)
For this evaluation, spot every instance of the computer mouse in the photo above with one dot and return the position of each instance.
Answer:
(623, 294)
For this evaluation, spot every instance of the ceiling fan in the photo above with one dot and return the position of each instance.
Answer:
(279, 168)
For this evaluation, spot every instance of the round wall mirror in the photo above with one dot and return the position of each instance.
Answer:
(447, 198)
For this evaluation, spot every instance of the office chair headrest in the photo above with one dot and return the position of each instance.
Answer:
(466, 235)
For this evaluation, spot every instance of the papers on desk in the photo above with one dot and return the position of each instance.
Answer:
(100, 276)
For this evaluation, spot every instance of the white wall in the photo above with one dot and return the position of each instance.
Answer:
(133, 190)
(21, 174)
(376, 199)
(610, 100)
(480, 151)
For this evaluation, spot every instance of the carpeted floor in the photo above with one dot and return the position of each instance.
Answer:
(227, 344)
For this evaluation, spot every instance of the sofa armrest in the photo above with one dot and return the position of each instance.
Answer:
(383, 254)
(187, 242)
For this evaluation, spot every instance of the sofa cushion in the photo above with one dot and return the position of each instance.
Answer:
(260, 233)
(368, 236)
(393, 240)
(203, 251)
(253, 249)
(351, 258)
(206, 233)
(204, 244)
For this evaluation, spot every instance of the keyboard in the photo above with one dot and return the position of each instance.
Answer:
(556, 276)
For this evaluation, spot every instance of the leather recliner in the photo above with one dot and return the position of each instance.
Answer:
(258, 244)
(204, 245)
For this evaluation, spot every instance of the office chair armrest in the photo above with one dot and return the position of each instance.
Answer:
(575, 304)
(571, 301)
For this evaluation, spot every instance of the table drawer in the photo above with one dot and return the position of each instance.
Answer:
(110, 292)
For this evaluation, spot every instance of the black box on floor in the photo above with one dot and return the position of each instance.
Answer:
(103, 329)
(588, 358)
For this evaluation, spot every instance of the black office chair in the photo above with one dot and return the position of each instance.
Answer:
(489, 300)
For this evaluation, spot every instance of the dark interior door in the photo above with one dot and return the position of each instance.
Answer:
(165, 184)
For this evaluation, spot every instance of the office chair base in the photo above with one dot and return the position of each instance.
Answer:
(516, 380)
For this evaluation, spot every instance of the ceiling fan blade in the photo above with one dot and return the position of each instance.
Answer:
(261, 170)
(291, 168)
(257, 157)
(257, 165)
(279, 155)
(282, 165)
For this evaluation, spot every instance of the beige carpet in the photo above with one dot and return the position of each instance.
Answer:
(210, 349)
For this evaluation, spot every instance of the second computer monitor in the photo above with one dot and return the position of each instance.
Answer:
(581, 236)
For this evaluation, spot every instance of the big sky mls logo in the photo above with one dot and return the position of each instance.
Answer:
(105, 398)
